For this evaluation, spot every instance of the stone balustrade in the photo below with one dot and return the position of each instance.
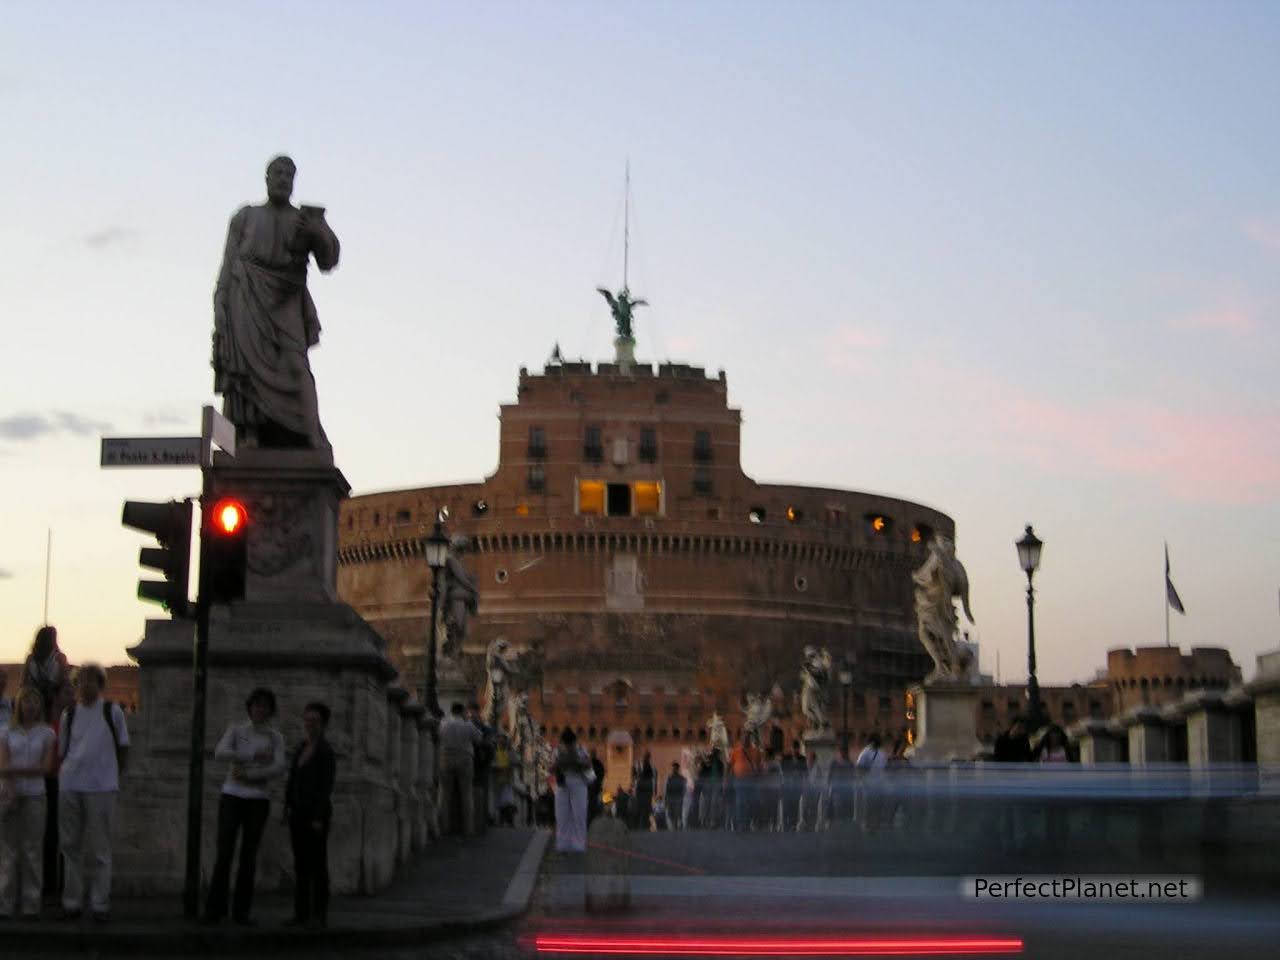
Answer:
(1203, 730)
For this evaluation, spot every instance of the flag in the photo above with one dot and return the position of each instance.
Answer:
(1175, 601)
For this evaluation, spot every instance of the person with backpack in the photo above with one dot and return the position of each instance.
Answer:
(93, 742)
(256, 751)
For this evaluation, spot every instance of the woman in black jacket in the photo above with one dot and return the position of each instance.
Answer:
(308, 810)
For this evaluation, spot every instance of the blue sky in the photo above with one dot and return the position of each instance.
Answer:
(1017, 261)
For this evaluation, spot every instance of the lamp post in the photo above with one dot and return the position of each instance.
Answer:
(437, 550)
(846, 683)
(1029, 559)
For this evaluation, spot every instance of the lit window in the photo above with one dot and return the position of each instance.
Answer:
(879, 523)
(793, 514)
(756, 515)
(591, 496)
(522, 509)
(915, 535)
(648, 497)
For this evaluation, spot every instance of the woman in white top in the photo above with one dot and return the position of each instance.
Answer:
(26, 758)
(573, 772)
(256, 752)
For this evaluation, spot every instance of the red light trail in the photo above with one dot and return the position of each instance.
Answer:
(775, 947)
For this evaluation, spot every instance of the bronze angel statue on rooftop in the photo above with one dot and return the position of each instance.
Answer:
(622, 305)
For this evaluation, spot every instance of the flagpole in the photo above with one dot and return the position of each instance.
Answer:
(1167, 604)
(48, 551)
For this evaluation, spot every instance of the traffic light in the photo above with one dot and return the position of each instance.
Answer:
(170, 524)
(224, 551)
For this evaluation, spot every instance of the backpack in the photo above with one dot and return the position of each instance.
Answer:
(106, 715)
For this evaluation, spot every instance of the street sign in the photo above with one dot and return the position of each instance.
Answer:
(151, 451)
(217, 430)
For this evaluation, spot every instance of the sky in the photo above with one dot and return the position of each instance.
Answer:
(1019, 262)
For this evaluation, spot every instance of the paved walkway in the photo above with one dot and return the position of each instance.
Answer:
(456, 886)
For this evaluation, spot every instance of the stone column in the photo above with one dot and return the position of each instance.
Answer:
(1148, 736)
(1265, 689)
(1213, 731)
(1098, 743)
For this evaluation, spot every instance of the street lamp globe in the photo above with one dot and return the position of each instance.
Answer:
(437, 547)
(1029, 551)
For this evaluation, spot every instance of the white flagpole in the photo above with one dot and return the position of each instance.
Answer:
(1167, 642)
(48, 552)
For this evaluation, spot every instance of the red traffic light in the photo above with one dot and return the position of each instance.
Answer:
(229, 517)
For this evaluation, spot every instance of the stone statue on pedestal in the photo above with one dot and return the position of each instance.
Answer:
(815, 684)
(718, 734)
(500, 668)
(939, 581)
(264, 320)
(758, 711)
(461, 598)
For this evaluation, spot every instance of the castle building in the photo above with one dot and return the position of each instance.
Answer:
(1155, 676)
(646, 579)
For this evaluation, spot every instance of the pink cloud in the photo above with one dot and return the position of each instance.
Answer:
(1233, 319)
(1264, 233)
(850, 347)
(1205, 456)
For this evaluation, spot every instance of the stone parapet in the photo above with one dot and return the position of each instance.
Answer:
(1099, 742)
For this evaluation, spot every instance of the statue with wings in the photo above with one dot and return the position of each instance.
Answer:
(622, 305)
(939, 582)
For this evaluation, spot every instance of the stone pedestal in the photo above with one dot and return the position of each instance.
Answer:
(291, 635)
(1148, 738)
(820, 744)
(946, 722)
(625, 353)
(1213, 731)
(292, 499)
(1265, 688)
(1098, 743)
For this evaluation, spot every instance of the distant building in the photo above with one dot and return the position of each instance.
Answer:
(1155, 676)
(122, 683)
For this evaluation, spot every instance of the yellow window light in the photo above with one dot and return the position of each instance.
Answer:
(591, 497)
(522, 509)
(648, 497)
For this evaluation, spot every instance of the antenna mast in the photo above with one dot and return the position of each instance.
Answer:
(48, 552)
(626, 228)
